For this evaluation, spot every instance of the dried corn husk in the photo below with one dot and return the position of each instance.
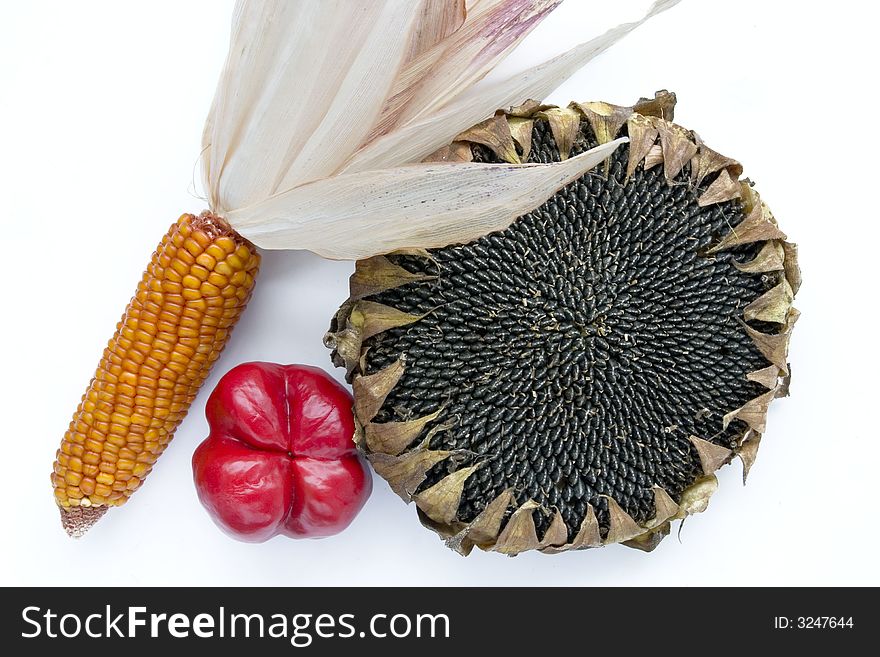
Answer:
(325, 110)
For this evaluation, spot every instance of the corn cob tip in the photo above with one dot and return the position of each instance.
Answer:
(78, 520)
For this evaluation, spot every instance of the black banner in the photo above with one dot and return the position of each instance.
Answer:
(405, 620)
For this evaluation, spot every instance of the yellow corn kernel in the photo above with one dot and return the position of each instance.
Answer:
(190, 281)
(186, 257)
(226, 243)
(218, 279)
(125, 464)
(199, 272)
(127, 454)
(206, 260)
(171, 275)
(209, 290)
(193, 247)
(180, 267)
(203, 239)
(150, 371)
(215, 252)
(101, 492)
(126, 390)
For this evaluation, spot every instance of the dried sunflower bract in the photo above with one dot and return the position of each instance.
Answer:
(576, 379)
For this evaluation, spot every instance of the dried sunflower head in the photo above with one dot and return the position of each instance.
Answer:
(576, 379)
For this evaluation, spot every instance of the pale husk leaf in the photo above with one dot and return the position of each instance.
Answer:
(419, 138)
(424, 205)
(309, 87)
(283, 108)
(490, 30)
(437, 20)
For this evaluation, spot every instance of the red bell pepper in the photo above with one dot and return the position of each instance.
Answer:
(280, 458)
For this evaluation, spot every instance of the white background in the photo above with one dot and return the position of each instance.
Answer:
(101, 111)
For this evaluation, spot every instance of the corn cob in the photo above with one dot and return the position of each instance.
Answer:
(195, 288)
